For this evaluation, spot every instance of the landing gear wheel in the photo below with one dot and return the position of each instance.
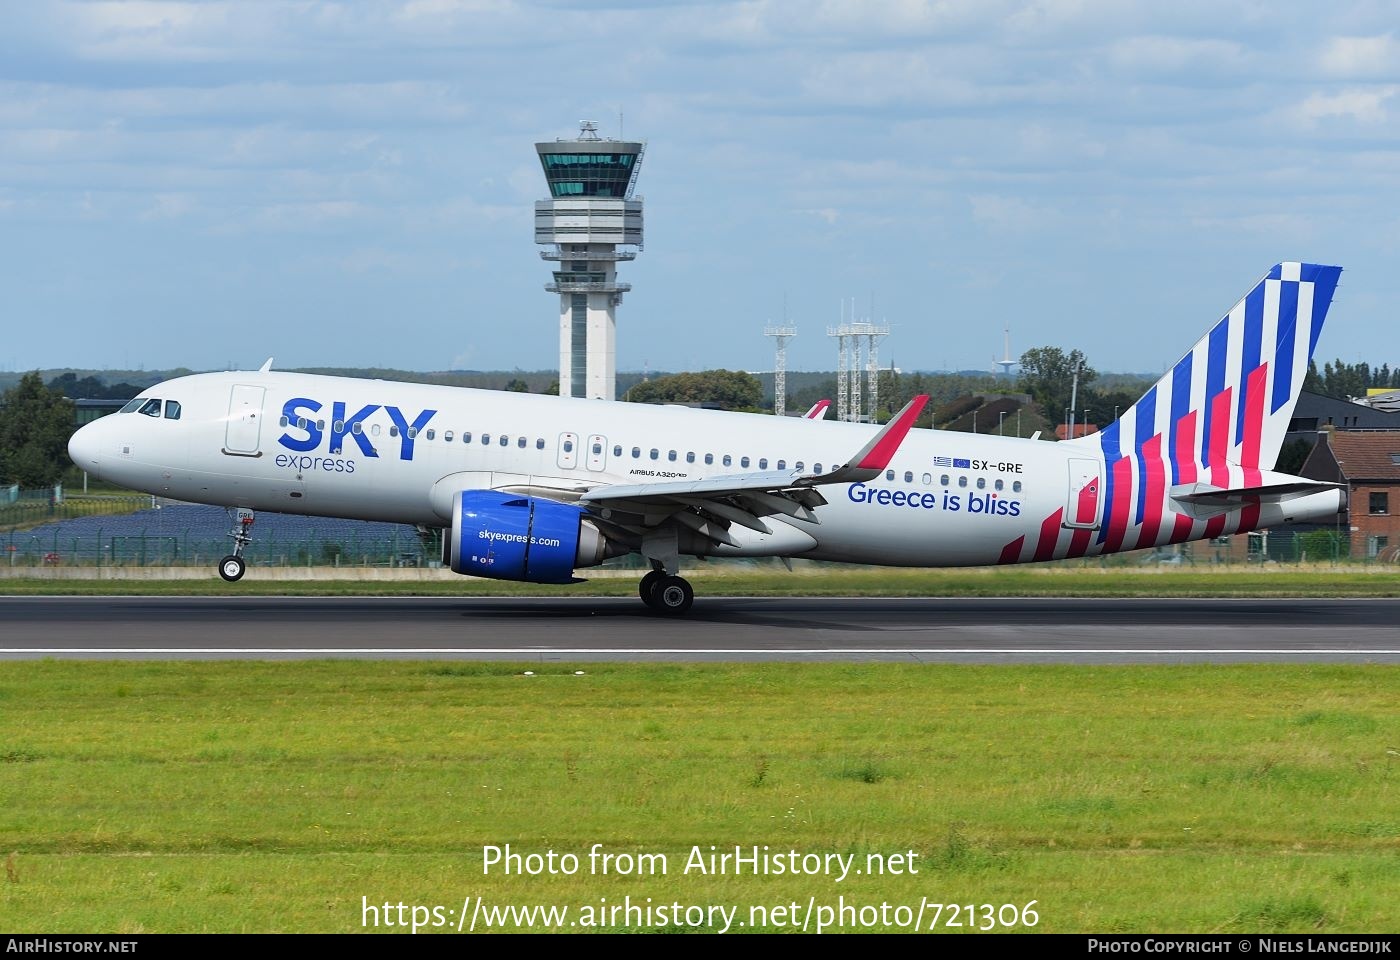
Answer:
(231, 568)
(648, 584)
(672, 595)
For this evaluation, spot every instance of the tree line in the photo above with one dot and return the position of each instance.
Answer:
(1343, 381)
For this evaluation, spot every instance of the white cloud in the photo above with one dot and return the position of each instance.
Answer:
(1364, 106)
(1377, 56)
(1171, 55)
(1007, 215)
(168, 206)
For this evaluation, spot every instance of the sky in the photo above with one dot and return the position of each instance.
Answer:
(351, 184)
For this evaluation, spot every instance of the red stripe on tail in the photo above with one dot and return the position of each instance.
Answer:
(1011, 553)
(1079, 543)
(1253, 415)
(1185, 459)
(1217, 446)
(1155, 480)
(1049, 535)
(1120, 510)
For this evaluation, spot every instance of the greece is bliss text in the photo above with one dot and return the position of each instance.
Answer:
(736, 861)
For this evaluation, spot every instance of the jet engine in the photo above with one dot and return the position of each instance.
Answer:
(512, 537)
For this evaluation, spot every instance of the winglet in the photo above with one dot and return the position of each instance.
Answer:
(877, 454)
(818, 410)
(266, 366)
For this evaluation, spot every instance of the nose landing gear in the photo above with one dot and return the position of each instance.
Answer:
(232, 567)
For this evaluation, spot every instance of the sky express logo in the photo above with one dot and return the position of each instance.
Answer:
(304, 432)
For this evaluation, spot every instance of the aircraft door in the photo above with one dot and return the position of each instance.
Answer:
(597, 452)
(244, 425)
(1084, 507)
(568, 450)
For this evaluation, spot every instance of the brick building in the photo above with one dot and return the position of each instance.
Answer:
(1368, 462)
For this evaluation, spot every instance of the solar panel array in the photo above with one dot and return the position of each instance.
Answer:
(177, 534)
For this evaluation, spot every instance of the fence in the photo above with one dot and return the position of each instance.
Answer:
(405, 547)
(28, 509)
(53, 547)
(50, 529)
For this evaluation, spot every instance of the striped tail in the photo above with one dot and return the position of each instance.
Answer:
(1219, 416)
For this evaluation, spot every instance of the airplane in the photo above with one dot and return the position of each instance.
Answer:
(533, 488)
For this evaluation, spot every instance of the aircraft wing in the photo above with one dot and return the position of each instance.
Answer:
(710, 505)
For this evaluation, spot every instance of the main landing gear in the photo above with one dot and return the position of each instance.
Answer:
(232, 567)
(666, 593)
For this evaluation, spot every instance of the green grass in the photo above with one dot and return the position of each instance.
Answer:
(163, 796)
(1046, 581)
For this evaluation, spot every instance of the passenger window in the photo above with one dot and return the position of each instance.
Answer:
(172, 410)
(539, 443)
(962, 481)
(320, 424)
(943, 480)
(357, 429)
(617, 450)
(636, 452)
(412, 432)
(505, 440)
(655, 453)
(1015, 486)
(597, 449)
(338, 426)
(374, 429)
(568, 446)
(446, 437)
(889, 474)
(908, 476)
(520, 443)
(728, 460)
(981, 483)
(743, 461)
(798, 465)
(486, 439)
(431, 434)
(928, 479)
(671, 456)
(782, 464)
(816, 468)
(301, 423)
(763, 463)
(280, 423)
(690, 456)
(1000, 484)
(709, 458)
(393, 431)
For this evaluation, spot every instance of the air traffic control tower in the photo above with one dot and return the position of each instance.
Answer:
(589, 225)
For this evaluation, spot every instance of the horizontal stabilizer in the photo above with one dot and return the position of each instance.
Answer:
(1202, 500)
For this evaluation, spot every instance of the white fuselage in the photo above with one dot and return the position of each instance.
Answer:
(391, 451)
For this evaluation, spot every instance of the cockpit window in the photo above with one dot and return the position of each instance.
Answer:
(131, 405)
(172, 409)
(150, 408)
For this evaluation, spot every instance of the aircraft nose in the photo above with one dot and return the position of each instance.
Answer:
(83, 446)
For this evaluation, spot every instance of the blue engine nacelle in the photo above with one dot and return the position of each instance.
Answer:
(512, 537)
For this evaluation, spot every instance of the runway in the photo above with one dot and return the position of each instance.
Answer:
(717, 629)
